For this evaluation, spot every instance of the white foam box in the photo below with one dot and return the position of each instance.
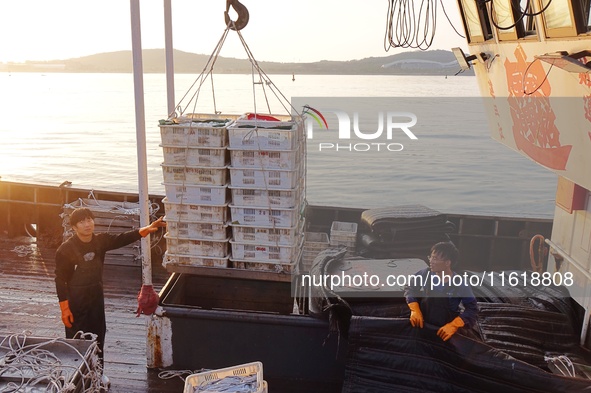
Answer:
(265, 135)
(265, 159)
(264, 178)
(266, 235)
(207, 247)
(195, 156)
(200, 381)
(196, 194)
(265, 217)
(266, 198)
(195, 175)
(194, 260)
(196, 213)
(197, 230)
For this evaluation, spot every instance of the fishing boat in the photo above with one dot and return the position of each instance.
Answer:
(531, 67)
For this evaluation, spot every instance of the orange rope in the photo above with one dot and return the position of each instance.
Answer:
(537, 265)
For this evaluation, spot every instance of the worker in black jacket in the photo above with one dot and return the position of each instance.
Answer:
(79, 273)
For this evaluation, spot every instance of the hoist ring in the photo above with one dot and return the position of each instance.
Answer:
(242, 12)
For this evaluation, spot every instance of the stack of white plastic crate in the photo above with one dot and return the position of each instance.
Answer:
(345, 234)
(196, 184)
(267, 186)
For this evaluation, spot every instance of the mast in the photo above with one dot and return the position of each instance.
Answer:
(140, 127)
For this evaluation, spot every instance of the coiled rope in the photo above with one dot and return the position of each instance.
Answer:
(34, 366)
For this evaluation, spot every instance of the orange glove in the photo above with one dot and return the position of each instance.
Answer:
(67, 316)
(416, 316)
(449, 329)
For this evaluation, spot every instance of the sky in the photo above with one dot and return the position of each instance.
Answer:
(278, 30)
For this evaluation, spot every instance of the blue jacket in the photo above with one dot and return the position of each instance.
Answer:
(456, 294)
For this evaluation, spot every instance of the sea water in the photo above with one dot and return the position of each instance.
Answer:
(81, 128)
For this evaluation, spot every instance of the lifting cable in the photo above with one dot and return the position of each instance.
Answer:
(412, 26)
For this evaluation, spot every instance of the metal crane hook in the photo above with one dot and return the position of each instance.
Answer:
(242, 12)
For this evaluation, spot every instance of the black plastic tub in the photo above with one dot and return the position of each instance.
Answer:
(219, 322)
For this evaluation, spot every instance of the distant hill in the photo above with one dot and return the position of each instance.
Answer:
(436, 62)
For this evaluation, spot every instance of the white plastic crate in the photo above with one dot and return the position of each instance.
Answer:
(201, 130)
(314, 242)
(197, 230)
(288, 268)
(196, 194)
(265, 135)
(344, 234)
(264, 235)
(265, 217)
(210, 248)
(264, 252)
(195, 156)
(265, 266)
(264, 178)
(195, 175)
(270, 159)
(340, 228)
(205, 381)
(194, 260)
(197, 213)
(266, 198)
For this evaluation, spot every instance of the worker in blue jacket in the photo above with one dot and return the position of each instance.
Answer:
(437, 297)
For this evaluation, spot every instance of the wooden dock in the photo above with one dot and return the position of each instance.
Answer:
(28, 302)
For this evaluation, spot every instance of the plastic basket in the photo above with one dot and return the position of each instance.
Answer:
(207, 377)
(264, 178)
(196, 194)
(265, 235)
(266, 266)
(197, 230)
(194, 260)
(314, 242)
(279, 159)
(195, 175)
(265, 217)
(195, 156)
(196, 213)
(265, 135)
(266, 198)
(207, 247)
(264, 252)
(202, 130)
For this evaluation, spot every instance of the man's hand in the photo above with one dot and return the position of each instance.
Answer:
(153, 227)
(67, 316)
(449, 329)
(416, 316)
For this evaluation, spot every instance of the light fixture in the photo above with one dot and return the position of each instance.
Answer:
(464, 61)
(569, 63)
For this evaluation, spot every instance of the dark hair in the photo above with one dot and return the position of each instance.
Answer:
(80, 214)
(447, 250)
